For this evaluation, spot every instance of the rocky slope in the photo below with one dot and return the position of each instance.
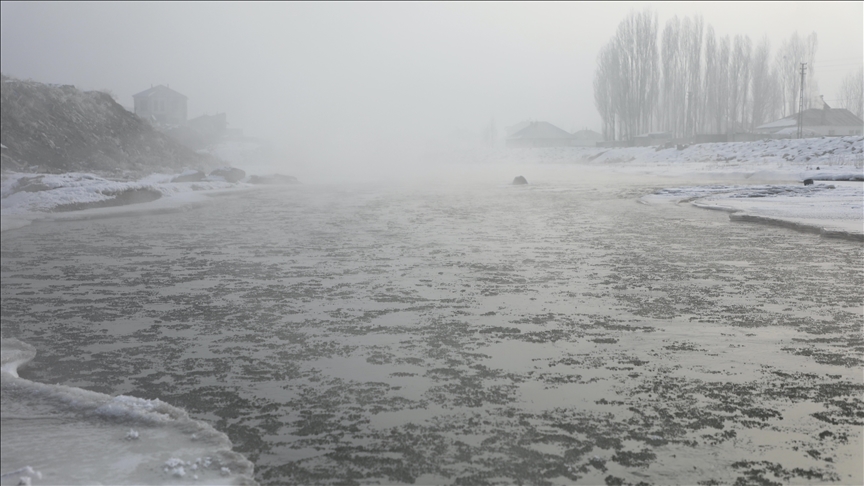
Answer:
(56, 129)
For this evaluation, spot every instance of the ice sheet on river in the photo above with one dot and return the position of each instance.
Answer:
(834, 209)
(55, 434)
(551, 333)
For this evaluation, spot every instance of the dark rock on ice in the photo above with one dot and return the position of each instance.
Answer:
(519, 180)
(230, 174)
(190, 176)
(808, 182)
(273, 179)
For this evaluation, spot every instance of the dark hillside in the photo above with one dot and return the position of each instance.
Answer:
(49, 128)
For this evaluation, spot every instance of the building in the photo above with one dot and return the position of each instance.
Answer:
(509, 131)
(825, 121)
(586, 138)
(162, 105)
(652, 139)
(540, 134)
(211, 127)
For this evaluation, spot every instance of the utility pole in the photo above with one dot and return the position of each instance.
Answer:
(801, 103)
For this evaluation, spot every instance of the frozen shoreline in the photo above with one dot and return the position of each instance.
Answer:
(755, 181)
(830, 209)
(119, 439)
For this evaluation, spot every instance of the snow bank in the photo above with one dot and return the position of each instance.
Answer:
(741, 172)
(56, 434)
(825, 158)
(25, 198)
(832, 209)
(740, 166)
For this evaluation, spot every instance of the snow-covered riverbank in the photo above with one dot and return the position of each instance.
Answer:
(833, 209)
(756, 181)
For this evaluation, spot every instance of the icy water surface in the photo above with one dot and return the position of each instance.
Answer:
(472, 334)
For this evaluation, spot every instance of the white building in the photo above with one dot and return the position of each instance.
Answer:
(540, 134)
(826, 121)
(161, 104)
(586, 138)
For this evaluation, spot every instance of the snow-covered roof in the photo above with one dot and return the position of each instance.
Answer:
(817, 117)
(160, 89)
(587, 135)
(793, 130)
(538, 130)
(655, 135)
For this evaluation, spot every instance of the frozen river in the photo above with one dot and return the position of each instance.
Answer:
(475, 333)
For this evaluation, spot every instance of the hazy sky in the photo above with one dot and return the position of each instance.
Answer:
(337, 75)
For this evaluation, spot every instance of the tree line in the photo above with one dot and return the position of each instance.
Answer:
(687, 80)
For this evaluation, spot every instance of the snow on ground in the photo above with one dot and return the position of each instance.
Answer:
(25, 198)
(834, 209)
(835, 157)
(754, 181)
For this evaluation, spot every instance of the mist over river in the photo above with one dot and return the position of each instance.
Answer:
(465, 333)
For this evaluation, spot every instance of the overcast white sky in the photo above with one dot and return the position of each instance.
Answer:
(309, 75)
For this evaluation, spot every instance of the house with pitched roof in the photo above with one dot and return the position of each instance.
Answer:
(540, 134)
(162, 105)
(825, 121)
(586, 138)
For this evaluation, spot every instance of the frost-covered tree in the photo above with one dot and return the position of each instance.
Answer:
(710, 85)
(851, 93)
(692, 49)
(606, 73)
(739, 81)
(681, 104)
(762, 99)
(792, 53)
(671, 81)
(702, 84)
(721, 113)
(627, 74)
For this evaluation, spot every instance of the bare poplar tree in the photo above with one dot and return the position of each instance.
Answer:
(787, 61)
(680, 104)
(761, 105)
(697, 82)
(630, 76)
(711, 82)
(647, 70)
(604, 76)
(722, 112)
(851, 94)
(671, 75)
(669, 51)
(739, 80)
(812, 87)
(792, 53)
(693, 53)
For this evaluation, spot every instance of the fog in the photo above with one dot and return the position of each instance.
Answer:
(343, 88)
